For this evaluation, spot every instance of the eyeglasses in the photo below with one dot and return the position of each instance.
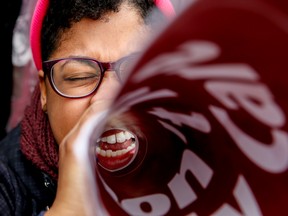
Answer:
(78, 77)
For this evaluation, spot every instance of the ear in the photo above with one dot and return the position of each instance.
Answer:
(43, 90)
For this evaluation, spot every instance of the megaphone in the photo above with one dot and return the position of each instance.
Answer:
(202, 118)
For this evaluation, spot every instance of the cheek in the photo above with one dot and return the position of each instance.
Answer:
(64, 113)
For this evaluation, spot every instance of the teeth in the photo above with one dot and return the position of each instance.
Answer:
(131, 147)
(128, 135)
(113, 154)
(110, 153)
(118, 137)
(98, 150)
(103, 153)
(111, 139)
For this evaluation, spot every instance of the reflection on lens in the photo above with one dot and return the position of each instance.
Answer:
(116, 149)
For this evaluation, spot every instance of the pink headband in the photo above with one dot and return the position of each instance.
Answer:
(40, 11)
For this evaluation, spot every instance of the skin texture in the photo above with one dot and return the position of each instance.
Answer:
(109, 39)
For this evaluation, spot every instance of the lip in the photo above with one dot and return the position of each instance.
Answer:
(116, 149)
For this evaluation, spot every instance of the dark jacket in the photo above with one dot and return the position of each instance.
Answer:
(24, 189)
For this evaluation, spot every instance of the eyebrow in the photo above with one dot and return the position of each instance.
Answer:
(87, 57)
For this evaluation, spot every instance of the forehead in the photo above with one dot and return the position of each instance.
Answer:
(108, 39)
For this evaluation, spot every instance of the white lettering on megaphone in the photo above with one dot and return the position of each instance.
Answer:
(190, 52)
(245, 199)
(182, 63)
(272, 158)
(141, 95)
(159, 204)
(195, 120)
(253, 97)
(184, 195)
(180, 188)
(174, 130)
(257, 100)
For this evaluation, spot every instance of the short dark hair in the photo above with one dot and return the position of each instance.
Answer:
(62, 14)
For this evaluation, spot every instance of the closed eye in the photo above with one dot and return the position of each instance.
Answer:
(82, 78)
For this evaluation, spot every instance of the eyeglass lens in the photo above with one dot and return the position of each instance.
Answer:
(80, 77)
(75, 77)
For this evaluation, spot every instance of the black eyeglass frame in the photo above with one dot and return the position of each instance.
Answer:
(48, 65)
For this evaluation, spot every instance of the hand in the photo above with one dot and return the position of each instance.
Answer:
(76, 192)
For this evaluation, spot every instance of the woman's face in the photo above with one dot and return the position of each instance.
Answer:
(106, 40)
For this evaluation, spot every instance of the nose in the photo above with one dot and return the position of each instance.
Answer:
(108, 88)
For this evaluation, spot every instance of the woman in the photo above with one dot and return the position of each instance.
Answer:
(66, 35)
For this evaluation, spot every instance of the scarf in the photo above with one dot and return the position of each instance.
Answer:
(37, 141)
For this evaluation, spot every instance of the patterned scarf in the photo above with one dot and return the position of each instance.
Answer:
(37, 140)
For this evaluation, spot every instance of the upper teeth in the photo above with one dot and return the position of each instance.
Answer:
(110, 153)
(118, 137)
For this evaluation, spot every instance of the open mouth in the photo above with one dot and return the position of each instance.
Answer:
(116, 149)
